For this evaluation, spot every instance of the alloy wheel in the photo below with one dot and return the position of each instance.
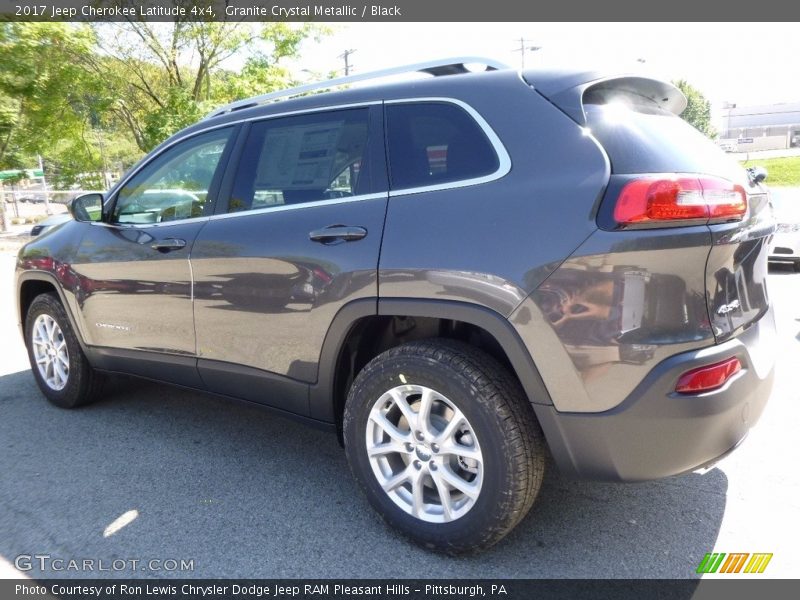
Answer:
(424, 453)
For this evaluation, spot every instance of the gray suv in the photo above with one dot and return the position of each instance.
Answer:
(459, 275)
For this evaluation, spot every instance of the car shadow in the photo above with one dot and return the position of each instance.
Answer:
(244, 493)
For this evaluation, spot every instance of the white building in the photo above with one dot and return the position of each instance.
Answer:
(761, 127)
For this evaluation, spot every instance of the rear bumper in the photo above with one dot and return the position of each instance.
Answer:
(655, 432)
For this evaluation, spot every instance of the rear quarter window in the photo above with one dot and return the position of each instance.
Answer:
(432, 143)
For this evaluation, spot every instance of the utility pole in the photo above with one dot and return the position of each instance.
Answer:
(346, 56)
(44, 187)
(3, 218)
(523, 48)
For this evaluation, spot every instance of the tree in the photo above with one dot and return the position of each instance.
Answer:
(165, 76)
(94, 98)
(698, 109)
(42, 85)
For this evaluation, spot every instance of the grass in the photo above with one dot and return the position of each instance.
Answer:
(781, 171)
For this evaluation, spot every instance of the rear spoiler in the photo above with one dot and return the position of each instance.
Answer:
(569, 90)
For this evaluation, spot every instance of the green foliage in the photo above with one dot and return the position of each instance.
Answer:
(94, 98)
(698, 109)
(781, 171)
(167, 75)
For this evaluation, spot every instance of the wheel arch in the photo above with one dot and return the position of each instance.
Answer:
(367, 317)
(31, 284)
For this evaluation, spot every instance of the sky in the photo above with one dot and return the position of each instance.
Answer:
(742, 63)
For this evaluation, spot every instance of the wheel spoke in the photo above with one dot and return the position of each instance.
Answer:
(444, 495)
(417, 489)
(462, 451)
(48, 324)
(391, 430)
(468, 488)
(402, 404)
(397, 479)
(452, 426)
(60, 374)
(424, 415)
(387, 448)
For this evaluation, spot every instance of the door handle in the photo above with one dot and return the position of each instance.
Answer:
(168, 244)
(333, 233)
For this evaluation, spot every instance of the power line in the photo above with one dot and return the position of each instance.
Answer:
(523, 48)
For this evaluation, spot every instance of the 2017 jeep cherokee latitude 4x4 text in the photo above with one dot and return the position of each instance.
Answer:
(457, 274)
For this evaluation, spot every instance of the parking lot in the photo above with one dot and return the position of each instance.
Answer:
(243, 493)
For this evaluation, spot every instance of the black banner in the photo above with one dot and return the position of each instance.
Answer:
(397, 11)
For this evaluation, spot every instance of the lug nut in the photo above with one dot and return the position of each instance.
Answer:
(432, 466)
(417, 465)
(409, 446)
(435, 447)
(419, 435)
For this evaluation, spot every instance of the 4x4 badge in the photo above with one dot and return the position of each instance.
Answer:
(726, 308)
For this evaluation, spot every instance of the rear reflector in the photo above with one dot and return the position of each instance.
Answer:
(711, 377)
(653, 200)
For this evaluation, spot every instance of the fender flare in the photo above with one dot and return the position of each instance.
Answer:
(321, 394)
(51, 279)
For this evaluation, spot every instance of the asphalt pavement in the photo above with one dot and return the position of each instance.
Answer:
(154, 473)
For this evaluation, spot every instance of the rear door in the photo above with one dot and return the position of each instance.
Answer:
(299, 238)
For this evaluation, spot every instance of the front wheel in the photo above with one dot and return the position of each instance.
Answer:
(444, 443)
(59, 366)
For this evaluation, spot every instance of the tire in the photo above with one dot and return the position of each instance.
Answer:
(81, 384)
(796, 266)
(497, 453)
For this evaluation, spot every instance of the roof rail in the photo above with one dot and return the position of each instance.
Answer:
(448, 66)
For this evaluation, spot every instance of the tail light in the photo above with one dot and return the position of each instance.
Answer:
(711, 377)
(679, 200)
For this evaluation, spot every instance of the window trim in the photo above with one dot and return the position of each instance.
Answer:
(503, 158)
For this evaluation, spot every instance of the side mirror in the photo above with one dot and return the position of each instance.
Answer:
(88, 207)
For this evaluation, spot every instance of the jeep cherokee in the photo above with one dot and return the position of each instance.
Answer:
(461, 275)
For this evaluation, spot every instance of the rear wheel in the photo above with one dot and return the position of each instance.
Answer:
(444, 443)
(59, 366)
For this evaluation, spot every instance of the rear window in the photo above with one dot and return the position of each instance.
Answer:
(645, 139)
(431, 143)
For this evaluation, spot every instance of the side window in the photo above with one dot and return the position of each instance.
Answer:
(434, 142)
(306, 158)
(176, 184)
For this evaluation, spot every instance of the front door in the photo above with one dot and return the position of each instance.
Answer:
(300, 237)
(133, 271)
